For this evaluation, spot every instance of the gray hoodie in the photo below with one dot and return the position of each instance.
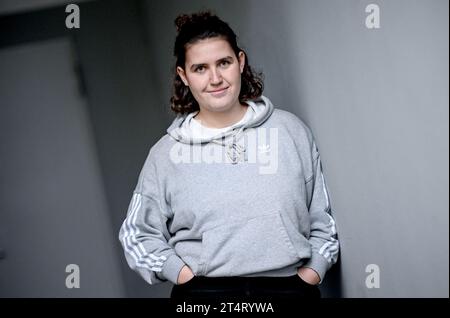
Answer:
(250, 201)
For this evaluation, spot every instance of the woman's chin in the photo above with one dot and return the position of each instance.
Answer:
(223, 102)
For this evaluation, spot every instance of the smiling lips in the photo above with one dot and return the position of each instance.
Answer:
(219, 93)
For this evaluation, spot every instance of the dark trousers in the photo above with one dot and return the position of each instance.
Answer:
(290, 287)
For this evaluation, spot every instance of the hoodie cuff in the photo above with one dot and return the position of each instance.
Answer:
(319, 264)
(172, 267)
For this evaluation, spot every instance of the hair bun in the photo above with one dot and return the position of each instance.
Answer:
(183, 19)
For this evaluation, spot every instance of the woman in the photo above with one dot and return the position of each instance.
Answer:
(232, 200)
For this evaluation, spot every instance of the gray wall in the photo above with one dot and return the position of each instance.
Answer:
(17, 6)
(377, 102)
(53, 207)
(109, 70)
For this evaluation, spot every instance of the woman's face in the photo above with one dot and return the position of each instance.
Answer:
(213, 74)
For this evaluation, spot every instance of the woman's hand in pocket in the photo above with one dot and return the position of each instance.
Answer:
(185, 275)
(308, 275)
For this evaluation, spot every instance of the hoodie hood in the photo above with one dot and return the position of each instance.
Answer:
(180, 131)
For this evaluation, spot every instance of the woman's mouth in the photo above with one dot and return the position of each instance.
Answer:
(219, 93)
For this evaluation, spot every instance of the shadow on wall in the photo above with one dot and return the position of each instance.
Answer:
(332, 285)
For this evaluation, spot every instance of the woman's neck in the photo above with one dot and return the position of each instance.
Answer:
(221, 119)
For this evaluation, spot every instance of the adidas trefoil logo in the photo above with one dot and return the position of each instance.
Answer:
(264, 148)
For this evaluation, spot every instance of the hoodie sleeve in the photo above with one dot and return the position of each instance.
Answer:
(323, 236)
(144, 235)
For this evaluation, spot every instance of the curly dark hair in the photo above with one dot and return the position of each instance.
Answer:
(200, 26)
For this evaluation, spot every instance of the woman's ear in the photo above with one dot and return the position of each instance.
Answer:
(182, 75)
(241, 61)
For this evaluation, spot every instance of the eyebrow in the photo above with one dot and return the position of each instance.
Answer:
(194, 66)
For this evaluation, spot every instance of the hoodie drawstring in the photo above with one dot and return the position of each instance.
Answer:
(234, 150)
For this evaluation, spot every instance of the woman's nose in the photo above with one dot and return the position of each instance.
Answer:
(216, 77)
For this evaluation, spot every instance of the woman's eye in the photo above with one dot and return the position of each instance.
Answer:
(199, 69)
(224, 63)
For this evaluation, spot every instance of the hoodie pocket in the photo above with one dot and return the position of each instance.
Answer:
(248, 247)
